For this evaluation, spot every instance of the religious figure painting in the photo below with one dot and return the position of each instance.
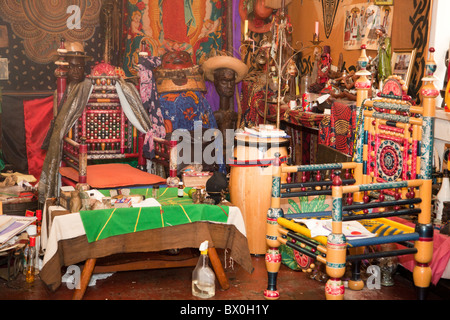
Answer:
(159, 26)
(362, 22)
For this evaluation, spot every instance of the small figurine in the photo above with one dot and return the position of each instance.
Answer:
(75, 201)
(384, 55)
(346, 84)
(85, 200)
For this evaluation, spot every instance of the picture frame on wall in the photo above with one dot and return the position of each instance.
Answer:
(402, 62)
(384, 2)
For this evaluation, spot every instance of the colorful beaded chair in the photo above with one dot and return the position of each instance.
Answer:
(390, 175)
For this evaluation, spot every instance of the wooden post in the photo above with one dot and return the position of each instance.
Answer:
(422, 271)
(336, 247)
(362, 85)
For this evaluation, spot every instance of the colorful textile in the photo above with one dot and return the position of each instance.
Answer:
(253, 105)
(192, 26)
(38, 113)
(337, 131)
(101, 224)
(186, 107)
(25, 123)
(150, 100)
(298, 117)
(441, 253)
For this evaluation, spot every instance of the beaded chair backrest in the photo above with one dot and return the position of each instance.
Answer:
(389, 137)
(108, 132)
(394, 139)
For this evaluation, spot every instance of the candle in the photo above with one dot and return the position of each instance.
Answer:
(245, 29)
(316, 31)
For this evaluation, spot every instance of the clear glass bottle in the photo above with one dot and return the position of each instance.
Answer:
(31, 261)
(443, 195)
(203, 277)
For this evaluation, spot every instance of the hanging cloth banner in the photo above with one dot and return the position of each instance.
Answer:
(329, 9)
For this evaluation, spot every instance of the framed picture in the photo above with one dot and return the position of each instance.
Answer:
(402, 63)
(384, 2)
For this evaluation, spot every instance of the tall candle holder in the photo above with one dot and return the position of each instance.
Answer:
(315, 41)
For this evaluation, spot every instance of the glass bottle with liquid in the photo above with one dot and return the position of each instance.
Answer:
(203, 277)
(180, 189)
(31, 261)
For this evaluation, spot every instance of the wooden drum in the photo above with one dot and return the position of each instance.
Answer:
(251, 182)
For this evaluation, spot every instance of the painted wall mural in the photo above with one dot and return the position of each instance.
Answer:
(162, 25)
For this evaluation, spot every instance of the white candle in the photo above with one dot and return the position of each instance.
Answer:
(317, 29)
(245, 29)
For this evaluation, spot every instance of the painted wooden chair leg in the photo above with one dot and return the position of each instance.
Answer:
(356, 283)
(273, 263)
(84, 279)
(422, 271)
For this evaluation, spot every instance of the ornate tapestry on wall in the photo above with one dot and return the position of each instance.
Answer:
(420, 22)
(361, 22)
(329, 9)
(162, 25)
(34, 31)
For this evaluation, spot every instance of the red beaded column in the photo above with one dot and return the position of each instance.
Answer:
(82, 165)
(122, 132)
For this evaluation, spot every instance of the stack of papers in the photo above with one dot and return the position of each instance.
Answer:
(13, 225)
(264, 132)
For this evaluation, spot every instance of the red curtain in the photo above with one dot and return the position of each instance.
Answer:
(38, 114)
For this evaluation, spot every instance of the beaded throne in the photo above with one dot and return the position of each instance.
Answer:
(110, 129)
(390, 175)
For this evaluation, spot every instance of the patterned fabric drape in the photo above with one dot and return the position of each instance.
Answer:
(34, 30)
(337, 131)
(150, 100)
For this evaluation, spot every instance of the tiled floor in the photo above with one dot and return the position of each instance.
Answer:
(175, 284)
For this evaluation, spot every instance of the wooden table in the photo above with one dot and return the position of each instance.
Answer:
(67, 244)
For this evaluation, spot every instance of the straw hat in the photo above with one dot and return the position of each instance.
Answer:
(74, 49)
(221, 62)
